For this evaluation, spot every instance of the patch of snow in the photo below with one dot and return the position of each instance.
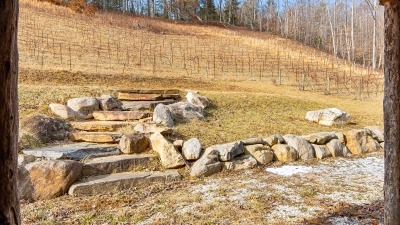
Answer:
(289, 170)
(369, 165)
(292, 212)
(181, 210)
(206, 191)
(239, 195)
(348, 221)
(254, 183)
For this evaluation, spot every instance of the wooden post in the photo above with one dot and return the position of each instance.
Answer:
(328, 85)
(9, 203)
(391, 109)
(280, 77)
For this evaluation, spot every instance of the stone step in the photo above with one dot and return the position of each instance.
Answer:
(113, 183)
(102, 126)
(142, 105)
(120, 115)
(146, 97)
(118, 163)
(96, 137)
(74, 151)
(150, 91)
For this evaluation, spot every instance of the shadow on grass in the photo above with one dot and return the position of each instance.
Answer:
(344, 213)
(208, 112)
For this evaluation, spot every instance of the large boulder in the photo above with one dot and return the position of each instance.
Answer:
(361, 141)
(377, 133)
(47, 179)
(228, 151)
(329, 117)
(320, 138)
(336, 148)
(340, 136)
(84, 107)
(240, 162)
(62, 111)
(207, 165)
(263, 154)
(303, 147)
(285, 153)
(274, 139)
(133, 143)
(108, 103)
(197, 99)
(185, 112)
(169, 156)
(191, 149)
(162, 115)
(38, 130)
(321, 151)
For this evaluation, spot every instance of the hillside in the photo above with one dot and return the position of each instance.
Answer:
(54, 38)
(259, 85)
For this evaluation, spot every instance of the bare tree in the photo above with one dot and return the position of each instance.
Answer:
(392, 112)
(9, 204)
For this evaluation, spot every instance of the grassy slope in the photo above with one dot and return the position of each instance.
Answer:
(240, 110)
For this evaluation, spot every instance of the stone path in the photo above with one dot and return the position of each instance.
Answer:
(105, 169)
(114, 173)
(74, 151)
(112, 183)
(117, 164)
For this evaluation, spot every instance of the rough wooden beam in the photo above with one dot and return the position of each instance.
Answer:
(391, 107)
(9, 203)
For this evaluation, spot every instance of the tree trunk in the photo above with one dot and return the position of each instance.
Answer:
(392, 113)
(9, 203)
(352, 31)
(374, 37)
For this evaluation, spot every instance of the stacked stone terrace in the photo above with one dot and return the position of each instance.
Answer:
(121, 144)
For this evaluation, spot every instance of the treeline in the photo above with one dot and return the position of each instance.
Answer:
(349, 29)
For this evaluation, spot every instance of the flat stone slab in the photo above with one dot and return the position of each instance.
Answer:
(117, 164)
(96, 137)
(74, 151)
(103, 126)
(142, 105)
(150, 128)
(150, 91)
(146, 97)
(113, 183)
(120, 115)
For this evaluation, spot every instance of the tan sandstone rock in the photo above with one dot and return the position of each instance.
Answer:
(170, 157)
(47, 179)
(285, 153)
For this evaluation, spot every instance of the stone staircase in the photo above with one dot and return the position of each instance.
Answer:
(105, 168)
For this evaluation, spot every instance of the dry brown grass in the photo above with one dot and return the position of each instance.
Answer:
(53, 38)
(239, 110)
(234, 197)
(93, 60)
